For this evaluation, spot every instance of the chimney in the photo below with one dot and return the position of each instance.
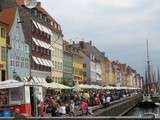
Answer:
(103, 53)
(81, 44)
(39, 4)
(90, 42)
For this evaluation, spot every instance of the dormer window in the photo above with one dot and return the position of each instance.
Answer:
(59, 28)
(35, 13)
(40, 16)
(45, 19)
(52, 23)
(55, 26)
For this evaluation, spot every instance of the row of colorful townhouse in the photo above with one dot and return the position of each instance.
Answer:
(34, 42)
(84, 63)
(32, 47)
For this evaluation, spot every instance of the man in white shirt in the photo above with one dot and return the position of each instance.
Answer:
(108, 100)
(62, 109)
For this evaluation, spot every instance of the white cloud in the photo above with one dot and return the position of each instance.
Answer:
(117, 3)
(112, 24)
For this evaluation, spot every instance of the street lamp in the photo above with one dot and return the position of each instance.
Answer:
(32, 4)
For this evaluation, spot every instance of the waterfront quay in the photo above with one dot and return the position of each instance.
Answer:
(42, 74)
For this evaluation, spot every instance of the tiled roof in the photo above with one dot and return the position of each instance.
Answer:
(7, 16)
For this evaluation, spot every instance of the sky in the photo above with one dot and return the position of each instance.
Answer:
(120, 28)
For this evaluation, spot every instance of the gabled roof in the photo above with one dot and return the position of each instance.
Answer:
(7, 16)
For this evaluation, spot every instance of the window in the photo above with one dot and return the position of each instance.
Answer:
(55, 65)
(48, 52)
(41, 50)
(58, 66)
(35, 13)
(41, 33)
(3, 53)
(48, 36)
(52, 23)
(45, 19)
(55, 52)
(26, 48)
(55, 26)
(17, 61)
(26, 63)
(52, 79)
(22, 62)
(12, 62)
(3, 33)
(33, 47)
(37, 49)
(33, 28)
(40, 16)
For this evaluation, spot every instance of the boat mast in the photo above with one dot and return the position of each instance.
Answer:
(148, 85)
(158, 79)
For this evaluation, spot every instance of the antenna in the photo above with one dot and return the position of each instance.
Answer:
(148, 69)
(148, 59)
(30, 3)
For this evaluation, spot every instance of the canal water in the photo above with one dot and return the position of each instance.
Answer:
(139, 112)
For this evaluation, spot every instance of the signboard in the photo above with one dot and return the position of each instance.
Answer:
(1, 66)
(16, 95)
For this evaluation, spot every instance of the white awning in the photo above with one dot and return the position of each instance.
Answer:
(50, 63)
(37, 81)
(39, 26)
(42, 27)
(35, 24)
(46, 62)
(54, 85)
(41, 61)
(41, 43)
(35, 41)
(36, 60)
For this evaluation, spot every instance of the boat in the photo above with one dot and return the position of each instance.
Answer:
(157, 104)
(149, 85)
(150, 115)
(147, 102)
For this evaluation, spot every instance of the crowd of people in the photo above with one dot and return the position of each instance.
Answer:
(79, 103)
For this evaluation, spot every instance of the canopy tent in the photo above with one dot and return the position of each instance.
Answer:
(109, 88)
(126, 88)
(54, 85)
(77, 87)
(11, 84)
(96, 87)
(42, 82)
(86, 86)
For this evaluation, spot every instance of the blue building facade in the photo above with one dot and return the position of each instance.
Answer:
(18, 53)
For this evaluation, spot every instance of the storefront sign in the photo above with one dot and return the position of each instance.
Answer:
(16, 95)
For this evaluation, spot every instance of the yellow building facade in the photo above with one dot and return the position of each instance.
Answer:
(57, 58)
(3, 28)
(112, 75)
(77, 67)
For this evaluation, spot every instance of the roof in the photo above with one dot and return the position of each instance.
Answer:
(42, 10)
(20, 2)
(7, 16)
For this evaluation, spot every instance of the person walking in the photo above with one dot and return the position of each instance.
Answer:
(84, 107)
